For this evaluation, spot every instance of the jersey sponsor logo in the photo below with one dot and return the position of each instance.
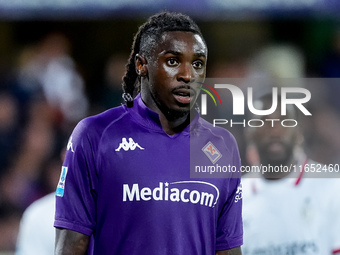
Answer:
(194, 192)
(70, 145)
(128, 145)
(212, 152)
(238, 195)
(61, 183)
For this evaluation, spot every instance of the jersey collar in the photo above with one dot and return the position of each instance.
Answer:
(259, 183)
(150, 119)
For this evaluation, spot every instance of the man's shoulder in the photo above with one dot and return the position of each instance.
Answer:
(93, 127)
(108, 116)
(100, 121)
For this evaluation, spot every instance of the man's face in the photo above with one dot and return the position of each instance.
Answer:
(275, 144)
(177, 63)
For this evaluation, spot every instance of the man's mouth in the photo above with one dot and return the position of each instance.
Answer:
(275, 147)
(183, 95)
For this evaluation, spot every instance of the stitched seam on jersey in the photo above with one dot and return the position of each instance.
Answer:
(64, 223)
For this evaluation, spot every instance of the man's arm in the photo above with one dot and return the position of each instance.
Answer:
(69, 242)
(234, 251)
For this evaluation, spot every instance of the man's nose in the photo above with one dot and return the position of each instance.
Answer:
(185, 73)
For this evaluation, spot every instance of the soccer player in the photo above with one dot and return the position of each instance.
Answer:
(125, 186)
(289, 208)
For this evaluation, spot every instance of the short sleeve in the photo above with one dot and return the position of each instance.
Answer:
(230, 227)
(75, 195)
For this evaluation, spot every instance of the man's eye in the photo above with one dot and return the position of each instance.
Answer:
(172, 62)
(197, 64)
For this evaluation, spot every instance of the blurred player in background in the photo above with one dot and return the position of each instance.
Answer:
(287, 212)
(125, 186)
(36, 233)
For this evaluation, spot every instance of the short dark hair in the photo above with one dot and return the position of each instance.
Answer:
(146, 38)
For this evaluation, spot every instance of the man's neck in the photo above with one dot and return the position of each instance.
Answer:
(171, 123)
(172, 127)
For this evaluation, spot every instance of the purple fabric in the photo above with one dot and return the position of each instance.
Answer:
(137, 197)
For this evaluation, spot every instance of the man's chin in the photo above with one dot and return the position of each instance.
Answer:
(174, 114)
(274, 159)
(277, 160)
(175, 110)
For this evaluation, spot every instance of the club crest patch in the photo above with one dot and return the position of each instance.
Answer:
(212, 152)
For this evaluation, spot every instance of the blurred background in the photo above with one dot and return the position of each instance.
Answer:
(63, 60)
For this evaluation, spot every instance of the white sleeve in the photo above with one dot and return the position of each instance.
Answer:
(36, 233)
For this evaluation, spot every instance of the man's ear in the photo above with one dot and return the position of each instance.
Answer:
(141, 65)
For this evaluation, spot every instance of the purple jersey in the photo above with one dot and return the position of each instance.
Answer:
(126, 183)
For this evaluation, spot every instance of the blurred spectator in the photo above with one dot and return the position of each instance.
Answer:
(10, 136)
(56, 100)
(112, 89)
(18, 185)
(9, 226)
(36, 232)
(50, 92)
(278, 61)
(9, 127)
(47, 68)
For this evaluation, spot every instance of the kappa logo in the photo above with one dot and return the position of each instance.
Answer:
(70, 145)
(212, 152)
(131, 145)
